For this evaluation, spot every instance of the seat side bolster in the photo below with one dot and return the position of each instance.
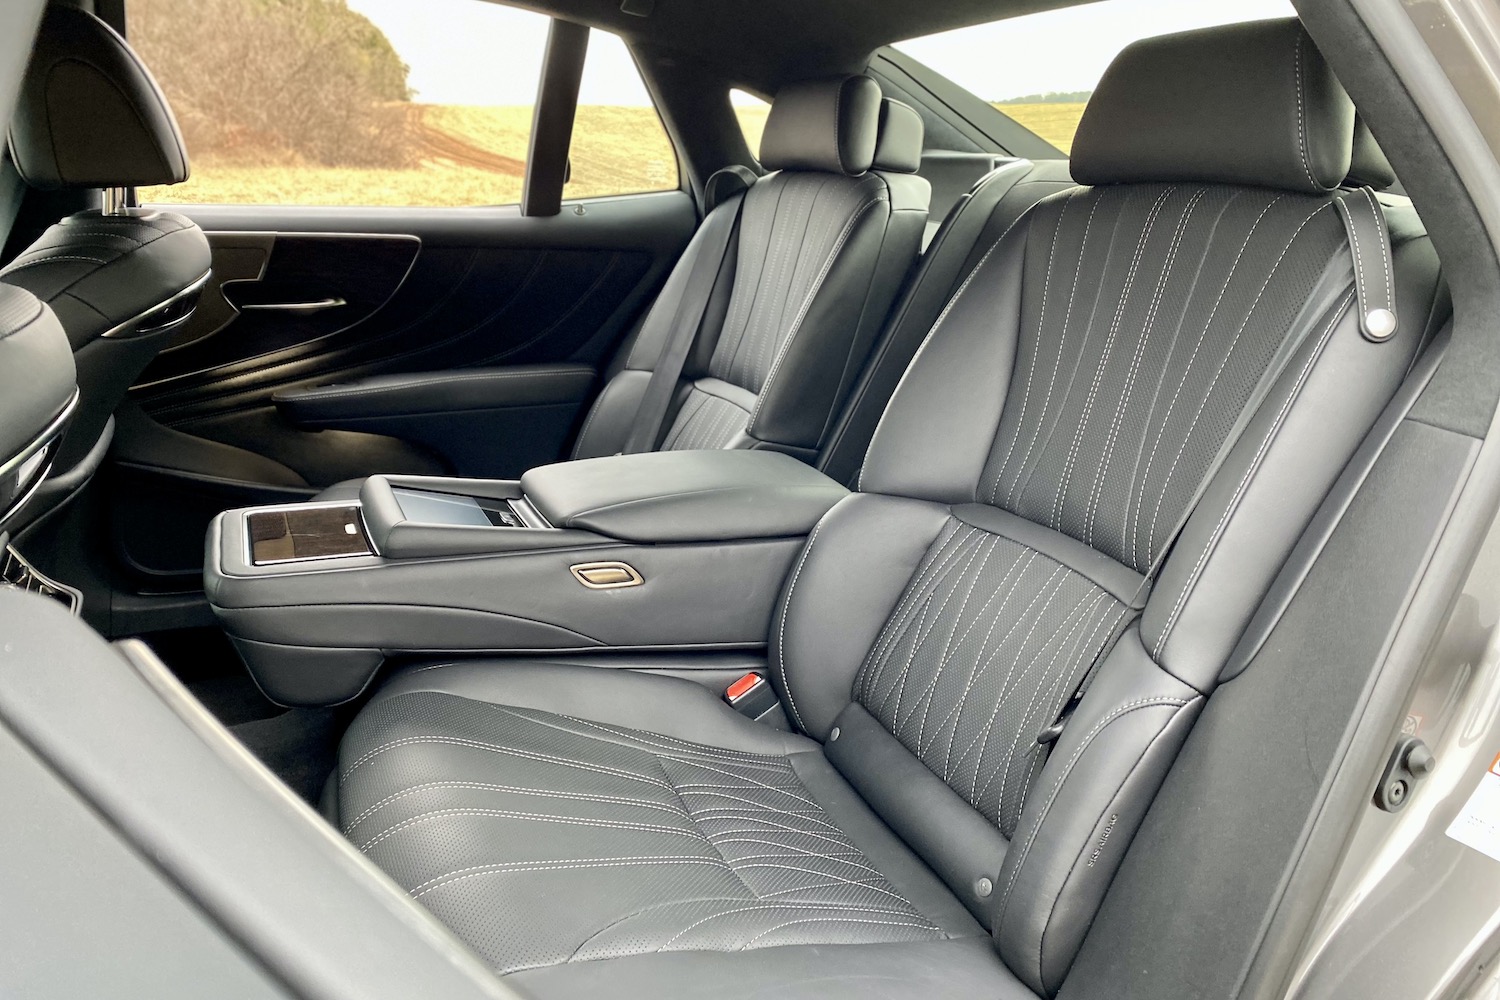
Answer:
(1084, 810)
(612, 415)
(963, 847)
(975, 221)
(851, 573)
(894, 268)
(801, 388)
(1267, 491)
(936, 434)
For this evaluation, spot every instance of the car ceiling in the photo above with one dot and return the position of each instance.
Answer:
(751, 44)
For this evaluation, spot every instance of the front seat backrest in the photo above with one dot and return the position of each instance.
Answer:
(1036, 460)
(37, 395)
(820, 249)
(90, 116)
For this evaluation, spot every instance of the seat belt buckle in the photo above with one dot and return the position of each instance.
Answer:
(1054, 732)
(751, 695)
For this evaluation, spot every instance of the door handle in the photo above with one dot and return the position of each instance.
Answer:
(296, 308)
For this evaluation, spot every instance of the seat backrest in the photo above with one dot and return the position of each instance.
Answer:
(90, 116)
(37, 395)
(820, 248)
(974, 222)
(1188, 318)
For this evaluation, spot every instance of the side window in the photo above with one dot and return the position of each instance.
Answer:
(1039, 69)
(619, 144)
(751, 113)
(345, 102)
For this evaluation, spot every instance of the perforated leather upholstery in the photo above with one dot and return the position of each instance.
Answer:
(1027, 477)
(709, 848)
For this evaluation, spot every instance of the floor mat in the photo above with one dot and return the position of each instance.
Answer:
(300, 745)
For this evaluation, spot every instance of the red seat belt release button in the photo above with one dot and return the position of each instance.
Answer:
(742, 687)
(752, 696)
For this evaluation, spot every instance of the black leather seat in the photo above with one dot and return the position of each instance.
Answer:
(1099, 459)
(89, 117)
(818, 252)
(823, 243)
(37, 396)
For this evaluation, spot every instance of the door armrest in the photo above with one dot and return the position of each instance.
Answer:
(435, 392)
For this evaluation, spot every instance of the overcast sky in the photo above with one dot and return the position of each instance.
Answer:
(473, 52)
(1068, 49)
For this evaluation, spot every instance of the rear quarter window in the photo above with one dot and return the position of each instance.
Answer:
(1039, 69)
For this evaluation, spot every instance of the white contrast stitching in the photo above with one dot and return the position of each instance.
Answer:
(1190, 584)
(786, 612)
(1301, 119)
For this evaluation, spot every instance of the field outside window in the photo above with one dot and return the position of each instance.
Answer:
(382, 103)
(1039, 69)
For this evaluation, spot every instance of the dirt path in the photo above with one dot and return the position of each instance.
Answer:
(439, 145)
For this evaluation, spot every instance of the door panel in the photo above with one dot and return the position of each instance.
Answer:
(382, 292)
(307, 287)
(486, 287)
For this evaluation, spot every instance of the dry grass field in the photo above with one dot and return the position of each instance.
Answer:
(469, 156)
(1054, 122)
(477, 155)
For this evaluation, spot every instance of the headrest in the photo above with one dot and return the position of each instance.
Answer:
(828, 125)
(1249, 103)
(1368, 165)
(898, 147)
(89, 113)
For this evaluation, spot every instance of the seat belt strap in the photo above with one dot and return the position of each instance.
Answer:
(716, 237)
(1370, 246)
(1329, 298)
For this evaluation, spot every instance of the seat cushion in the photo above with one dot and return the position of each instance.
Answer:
(649, 818)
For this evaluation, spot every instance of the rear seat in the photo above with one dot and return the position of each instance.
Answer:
(816, 253)
(1102, 453)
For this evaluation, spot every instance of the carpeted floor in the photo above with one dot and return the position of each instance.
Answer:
(299, 744)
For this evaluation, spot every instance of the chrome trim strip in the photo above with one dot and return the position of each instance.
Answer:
(529, 515)
(295, 308)
(124, 331)
(50, 436)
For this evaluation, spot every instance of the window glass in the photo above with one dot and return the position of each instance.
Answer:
(1040, 69)
(751, 112)
(619, 144)
(345, 102)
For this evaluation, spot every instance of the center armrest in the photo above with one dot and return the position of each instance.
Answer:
(683, 496)
(627, 553)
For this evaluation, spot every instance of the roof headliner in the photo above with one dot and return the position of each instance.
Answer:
(750, 43)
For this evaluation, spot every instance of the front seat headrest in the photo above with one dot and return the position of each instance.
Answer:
(898, 147)
(1250, 103)
(828, 125)
(90, 115)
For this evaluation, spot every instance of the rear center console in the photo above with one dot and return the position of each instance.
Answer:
(654, 552)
